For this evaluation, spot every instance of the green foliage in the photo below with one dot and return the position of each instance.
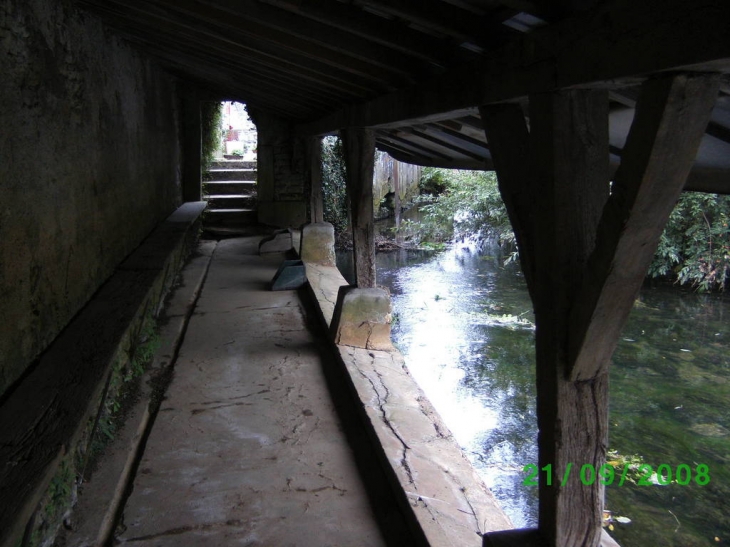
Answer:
(693, 250)
(210, 121)
(334, 187)
(433, 182)
(470, 206)
(695, 246)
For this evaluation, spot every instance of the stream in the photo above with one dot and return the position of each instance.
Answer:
(463, 322)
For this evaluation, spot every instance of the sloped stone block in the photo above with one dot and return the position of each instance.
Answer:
(362, 318)
(291, 275)
(280, 242)
(318, 244)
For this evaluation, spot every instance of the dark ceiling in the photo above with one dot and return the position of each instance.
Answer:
(416, 70)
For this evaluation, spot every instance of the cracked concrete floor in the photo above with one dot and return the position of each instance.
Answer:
(247, 448)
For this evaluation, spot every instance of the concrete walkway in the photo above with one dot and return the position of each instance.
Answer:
(248, 447)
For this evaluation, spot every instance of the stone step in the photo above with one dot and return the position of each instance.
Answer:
(228, 187)
(229, 217)
(232, 174)
(231, 201)
(233, 164)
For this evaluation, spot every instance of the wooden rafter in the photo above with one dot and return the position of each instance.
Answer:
(273, 20)
(447, 19)
(445, 142)
(223, 51)
(580, 51)
(390, 33)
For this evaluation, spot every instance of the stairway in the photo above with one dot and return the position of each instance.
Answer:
(231, 196)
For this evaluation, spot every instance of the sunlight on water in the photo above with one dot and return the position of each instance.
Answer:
(464, 325)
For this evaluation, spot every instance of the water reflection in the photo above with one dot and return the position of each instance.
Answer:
(462, 323)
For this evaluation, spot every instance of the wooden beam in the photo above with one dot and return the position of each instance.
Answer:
(416, 146)
(603, 45)
(569, 170)
(442, 127)
(237, 26)
(509, 145)
(455, 22)
(183, 45)
(311, 31)
(671, 117)
(446, 143)
(390, 33)
(359, 148)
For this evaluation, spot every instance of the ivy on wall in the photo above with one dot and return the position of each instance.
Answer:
(210, 123)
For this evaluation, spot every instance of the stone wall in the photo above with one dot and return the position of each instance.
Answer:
(89, 164)
(387, 172)
(282, 194)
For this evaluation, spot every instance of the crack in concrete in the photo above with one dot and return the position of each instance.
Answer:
(185, 529)
(233, 398)
(196, 411)
(473, 511)
(381, 405)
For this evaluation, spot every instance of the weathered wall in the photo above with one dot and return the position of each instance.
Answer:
(280, 178)
(88, 166)
(389, 172)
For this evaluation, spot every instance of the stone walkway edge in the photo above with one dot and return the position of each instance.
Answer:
(441, 491)
(97, 511)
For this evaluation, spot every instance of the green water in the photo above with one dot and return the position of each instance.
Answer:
(463, 325)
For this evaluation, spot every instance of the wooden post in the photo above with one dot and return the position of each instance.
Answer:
(569, 144)
(314, 167)
(585, 254)
(192, 147)
(359, 149)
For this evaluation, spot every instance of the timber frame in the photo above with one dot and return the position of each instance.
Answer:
(595, 114)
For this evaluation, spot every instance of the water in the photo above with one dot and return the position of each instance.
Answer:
(463, 324)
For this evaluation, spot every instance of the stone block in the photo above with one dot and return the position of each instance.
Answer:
(318, 244)
(279, 242)
(291, 275)
(362, 318)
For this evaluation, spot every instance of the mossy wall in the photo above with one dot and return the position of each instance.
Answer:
(89, 164)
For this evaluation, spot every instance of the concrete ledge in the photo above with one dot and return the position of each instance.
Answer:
(48, 414)
(446, 500)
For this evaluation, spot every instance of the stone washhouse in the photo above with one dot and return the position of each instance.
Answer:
(595, 115)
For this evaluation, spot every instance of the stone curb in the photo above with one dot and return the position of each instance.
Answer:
(446, 501)
(97, 512)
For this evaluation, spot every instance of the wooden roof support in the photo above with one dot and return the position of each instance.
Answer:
(578, 51)
(671, 117)
(359, 148)
(579, 236)
(275, 21)
(564, 160)
(390, 33)
(450, 20)
(509, 144)
(569, 143)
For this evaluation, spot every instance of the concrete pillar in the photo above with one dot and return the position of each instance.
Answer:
(192, 146)
(359, 148)
(318, 244)
(362, 318)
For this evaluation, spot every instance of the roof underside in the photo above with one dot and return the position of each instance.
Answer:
(416, 70)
